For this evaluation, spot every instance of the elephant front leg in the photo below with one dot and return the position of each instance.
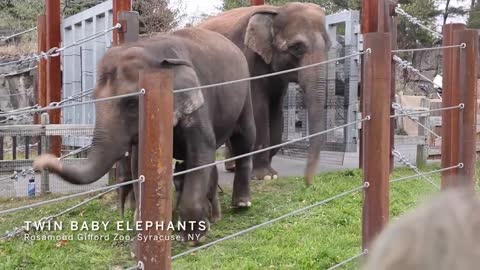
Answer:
(194, 206)
(276, 131)
(261, 161)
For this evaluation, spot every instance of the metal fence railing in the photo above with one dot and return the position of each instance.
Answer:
(20, 144)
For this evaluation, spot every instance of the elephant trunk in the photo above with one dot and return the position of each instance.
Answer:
(108, 145)
(313, 82)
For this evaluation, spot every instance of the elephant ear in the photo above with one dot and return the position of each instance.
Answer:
(259, 34)
(186, 103)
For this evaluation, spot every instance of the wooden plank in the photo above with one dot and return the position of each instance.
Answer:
(54, 73)
(155, 159)
(42, 64)
(392, 28)
(14, 147)
(27, 147)
(450, 97)
(421, 149)
(130, 30)
(467, 122)
(1, 147)
(257, 2)
(376, 165)
(118, 6)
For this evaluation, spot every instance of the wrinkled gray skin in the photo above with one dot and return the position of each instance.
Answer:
(274, 39)
(203, 119)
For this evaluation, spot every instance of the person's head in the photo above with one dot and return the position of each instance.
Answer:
(442, 234)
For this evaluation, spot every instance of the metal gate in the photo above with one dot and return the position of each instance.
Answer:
(342, 82)
(79, 63)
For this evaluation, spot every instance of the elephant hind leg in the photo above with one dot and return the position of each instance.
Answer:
(243, 141)
(261, 161)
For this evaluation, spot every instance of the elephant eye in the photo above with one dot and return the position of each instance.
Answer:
(297, 49)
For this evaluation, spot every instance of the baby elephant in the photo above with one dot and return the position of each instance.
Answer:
(203, 118)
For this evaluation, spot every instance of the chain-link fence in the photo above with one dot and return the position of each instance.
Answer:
(20, 144)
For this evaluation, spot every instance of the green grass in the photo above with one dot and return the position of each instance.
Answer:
(316, 239)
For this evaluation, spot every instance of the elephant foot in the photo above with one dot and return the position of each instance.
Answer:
(216, 212)
(195, 243)
(241, 203)
(273, 172)
(230, 166)
(263, 174)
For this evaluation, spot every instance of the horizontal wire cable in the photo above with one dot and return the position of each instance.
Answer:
(246, 79)
(416, 21)
(18, 231)
(459, 106)
(77, 96)
(17, 72)
(54, 106)
(34, 205)
(139, 266)
(407, 65)
(89, 38)
(77, 151)
(461, 46)
(407, 162)
(269, 148)
(18, 34)
(53, 52)
(398, 106)
(460, 165)
(349, 260)
(343, 194)
(270, 74)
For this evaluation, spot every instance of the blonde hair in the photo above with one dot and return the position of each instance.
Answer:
(442, 234)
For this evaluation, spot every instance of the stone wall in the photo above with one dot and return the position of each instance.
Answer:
(429, 63)
(16, 90)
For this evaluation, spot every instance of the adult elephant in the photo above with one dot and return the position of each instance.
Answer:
(276, 38)
(203, 119)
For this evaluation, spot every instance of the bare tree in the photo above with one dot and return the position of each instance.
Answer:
(445, 14)
(158, 15)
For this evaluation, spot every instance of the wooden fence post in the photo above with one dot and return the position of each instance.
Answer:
(1, 147)
(376, 134)
(155, 164)
(14, 147)
(42, 65)
(118, 6)
(257, 2)
(53, 72)
(422, 154)
(459, 86)
(130, 27)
